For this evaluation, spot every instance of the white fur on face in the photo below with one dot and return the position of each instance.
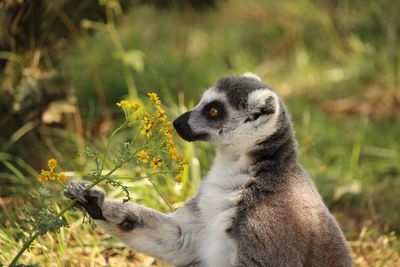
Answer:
(245, 136)
(210, 95)
(237, 135)
(197, 122)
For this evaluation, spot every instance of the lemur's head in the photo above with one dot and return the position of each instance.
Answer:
(235, 114)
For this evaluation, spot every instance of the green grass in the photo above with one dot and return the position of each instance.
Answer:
(338, 152)
(354, 162)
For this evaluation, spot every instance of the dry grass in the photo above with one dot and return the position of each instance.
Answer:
(82, 246)
(381, 250)
(374, 101)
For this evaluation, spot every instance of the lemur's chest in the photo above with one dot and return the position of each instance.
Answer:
(219, 196)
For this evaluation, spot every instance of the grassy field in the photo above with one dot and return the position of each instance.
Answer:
(336, 66)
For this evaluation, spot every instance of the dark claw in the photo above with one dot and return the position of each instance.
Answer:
(77, 191)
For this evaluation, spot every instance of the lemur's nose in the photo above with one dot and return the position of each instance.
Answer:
(181, 125)
(181, 121)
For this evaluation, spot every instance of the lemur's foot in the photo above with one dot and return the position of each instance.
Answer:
(91, 199)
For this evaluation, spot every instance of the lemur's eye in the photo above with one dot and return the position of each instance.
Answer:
(128, 225)
(213, 112)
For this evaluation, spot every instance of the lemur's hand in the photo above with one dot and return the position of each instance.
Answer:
(114, 213)
(91, 199)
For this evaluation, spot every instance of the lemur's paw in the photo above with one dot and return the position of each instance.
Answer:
(91, 199)
(76, 190)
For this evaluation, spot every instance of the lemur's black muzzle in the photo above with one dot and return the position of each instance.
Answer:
(181, 125)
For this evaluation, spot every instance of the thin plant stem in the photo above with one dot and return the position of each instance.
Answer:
(116, 39)
(161, 196)
(70, 205)
(108, 146)
(99, 178)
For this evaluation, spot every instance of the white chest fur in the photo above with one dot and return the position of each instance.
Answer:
(220, 194)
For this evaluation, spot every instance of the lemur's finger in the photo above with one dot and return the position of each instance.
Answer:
(90, 199)
(76, 190)
(97, 193)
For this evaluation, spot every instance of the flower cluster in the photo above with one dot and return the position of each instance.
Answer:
(166, 130)
(149, 120)
(129, 105)
(148, 124)
(154, 98)
(51, 174)
(172, 151)
(154, 124)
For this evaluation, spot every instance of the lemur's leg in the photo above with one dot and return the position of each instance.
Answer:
(169, 237)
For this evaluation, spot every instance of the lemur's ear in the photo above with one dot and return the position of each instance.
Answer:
(251, 75)
(261, 103)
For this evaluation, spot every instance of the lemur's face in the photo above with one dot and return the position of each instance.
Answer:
(235, 114)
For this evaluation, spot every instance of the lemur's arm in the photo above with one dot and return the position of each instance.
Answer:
(169, 237)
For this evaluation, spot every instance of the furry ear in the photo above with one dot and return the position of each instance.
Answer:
(251, 75)
(261, 103)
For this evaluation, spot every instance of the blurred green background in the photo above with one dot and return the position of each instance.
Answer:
(336, 64)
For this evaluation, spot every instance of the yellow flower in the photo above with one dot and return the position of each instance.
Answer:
(173, 153)
(43, 176)
(146, 131)
(156, 162)
(125, 105)
(52, 163)
(129, 105)
(147, 117)
(143, 156)
(148, 125)
(62, 177)
(154, 97)
(136, 105)
(170, 143)
(167, 133)
(162, 116)
(52, 175)
(179, 177)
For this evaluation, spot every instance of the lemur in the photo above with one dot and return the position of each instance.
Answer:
(256, 207)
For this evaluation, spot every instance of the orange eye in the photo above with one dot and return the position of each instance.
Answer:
(213, 112)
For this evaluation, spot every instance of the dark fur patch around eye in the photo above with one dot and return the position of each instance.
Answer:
(219, 106)
(128, 224)
(267, 109)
